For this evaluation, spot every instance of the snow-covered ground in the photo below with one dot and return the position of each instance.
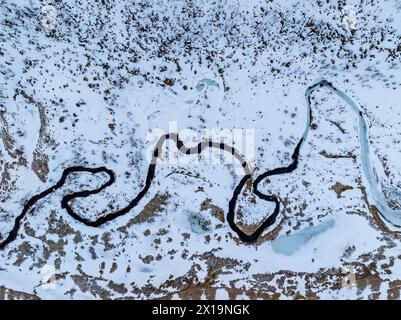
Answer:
(102, 84)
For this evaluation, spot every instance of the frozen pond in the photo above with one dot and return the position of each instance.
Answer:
(288, 245)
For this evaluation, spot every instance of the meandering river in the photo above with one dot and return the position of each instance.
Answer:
(392, 217)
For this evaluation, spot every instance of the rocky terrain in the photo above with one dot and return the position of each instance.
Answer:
(95, 83)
